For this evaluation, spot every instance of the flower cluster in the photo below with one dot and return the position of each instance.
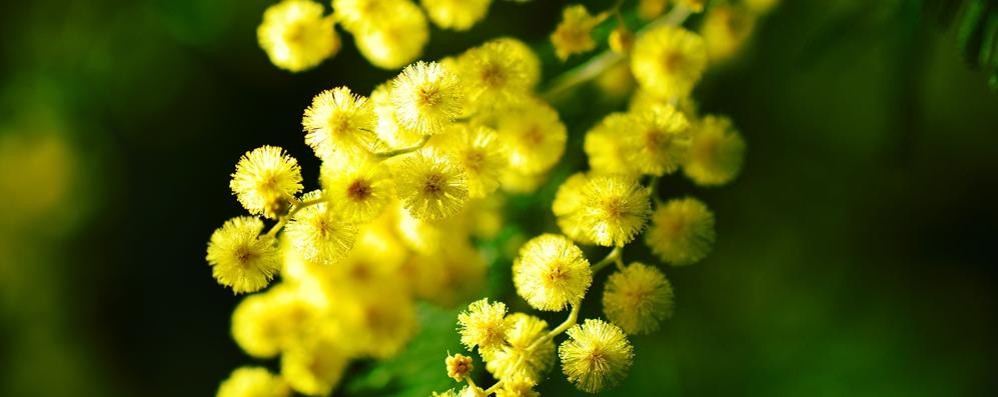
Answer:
(413, 171)
(297, 35)
(407, 175)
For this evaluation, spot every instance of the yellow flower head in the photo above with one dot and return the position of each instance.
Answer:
(569, 199)
(379, 321)
(315, 366)
(359, 15)
(390, 130)
(431, 186)
(271, 322)
(484, 325)
(240, 257)
(357, 187)
(574, 33)
(456, 14)
(296, 36)
(396, 39)
(339, 122)
(615, 210)
(453, 273)
(716, 152)
(551, 273)
(458, 366)
(478, 152)
(517, 386)
(515, 360)
(605, 147)
(725, 29)
(253, 382)
(638, 298)
(596, 355)
(658, 142)
(533, 137)
(427, 97)
(681, 232)
(668, 61)
(319, 233)
(649, 9)
(492, 76)
(265, 179)
(529, 62)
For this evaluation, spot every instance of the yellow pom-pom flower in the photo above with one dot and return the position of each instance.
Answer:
(390, 130)
(614, 211)
(240, 257)
(453, 273)
(253, 382)
(319, 233)
(604, 144)
(725, 29)
(479, 153)
(551, 273)
(266, 324)
(568, 200)
(648, 9)
(458, 366)
(357, 187)
(597, 355)
(427, 97)
(533, 137)
(380, 321)
(681, 232)
(491, 76)
(265, 179)
(517, 386)
(315, 366)
(359, 15)
(484, 325)
(716, 152)
(431, 185)
(339, 122)
(638, 298)
(456, 14)
(574, 33)
(396, 39)
(296, 36)
(668, 61)
(515, 360)
(528, 60)
(658, 142)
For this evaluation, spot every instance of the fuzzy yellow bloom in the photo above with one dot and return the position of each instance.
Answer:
(649, 9)
(339, 122)
(315, 366)
(492, 76)
(716, 152)
(568, 200)
(240, 257)
(725, 29)
(379, 321)
(597, 355)
(319, 233)
(551, 273)
(484, 325)
(265, 179)
(453, 273)
(456, 14)
(668, 61)
(268, 323)
(296, 36)
(533, 136)
(479, 153)
(613, 211)
(605, 147)
(253, 382)
(574, 33)
(515, 360)
(359, 15)
(357, 187)
(396, 39)
(458, 366)
(517, 386)
(658, 141)
(390, 130)
(638, 298)
(518, 182)
(526, 57)
(427, 97)
(681, 232)
(431, 186)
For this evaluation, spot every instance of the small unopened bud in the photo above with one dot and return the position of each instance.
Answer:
(458, 366)
(621, 40)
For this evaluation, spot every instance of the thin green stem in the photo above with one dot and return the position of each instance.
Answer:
(297, 205)
(612, 257)
(398, 152)
(495, 387)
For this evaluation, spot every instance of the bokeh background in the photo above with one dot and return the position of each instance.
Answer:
(856, 254)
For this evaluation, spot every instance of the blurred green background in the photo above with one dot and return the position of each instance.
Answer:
(855, 254)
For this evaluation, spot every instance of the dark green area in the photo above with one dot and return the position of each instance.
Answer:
(855, 254)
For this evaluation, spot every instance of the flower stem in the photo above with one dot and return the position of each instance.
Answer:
(612, 257)
(398, 152)
(297, 205)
